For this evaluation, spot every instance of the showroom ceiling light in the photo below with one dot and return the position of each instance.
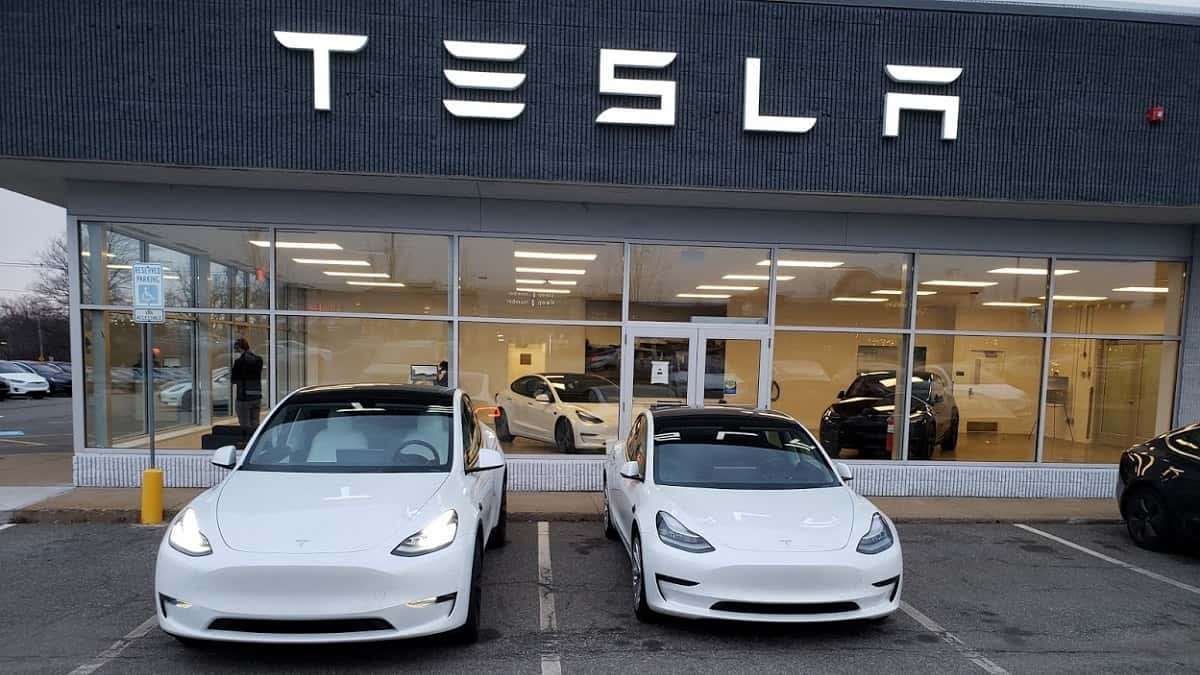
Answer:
(1032, 271)
(544, 255)
(1001, 303)
(550, 270)
(89, 253)
(720, 287)
(814, 264)
(1131, 289)
(302, 245)
(365, 275)
(705, 296)
(858, 299)
(892, 291)
(1076, 298)
(530, 282)
(960, 284)
(563, 282)
(384, 284)
(332, 261)
(554, 291)
(756, 277)
(171, 277)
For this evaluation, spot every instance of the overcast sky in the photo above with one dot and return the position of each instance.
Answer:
(27, 226)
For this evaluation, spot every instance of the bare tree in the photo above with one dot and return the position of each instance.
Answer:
(53, 285)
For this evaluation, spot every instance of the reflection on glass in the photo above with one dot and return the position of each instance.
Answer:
(957, 292)
(862, 290)
(540, 280)
(1118, 298)
(1104, 396)
(990, 395)
(556, 387)
(363, 272)
(698, 283)
(731, 372)
(844, 385)
(660, 372)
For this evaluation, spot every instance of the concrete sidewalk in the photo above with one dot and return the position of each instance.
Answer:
(121, 505)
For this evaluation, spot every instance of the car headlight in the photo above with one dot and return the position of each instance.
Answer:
(588, 417)
(672, 533)
(186, 536)
(877, 539)
(435, 536)
(830, 414)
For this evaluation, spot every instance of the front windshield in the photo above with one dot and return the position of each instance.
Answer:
(583, 389)
(354, 436)
(740, 457)
(884, 386)
(11, 368)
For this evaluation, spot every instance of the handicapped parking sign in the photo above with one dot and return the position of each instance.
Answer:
(148, 301)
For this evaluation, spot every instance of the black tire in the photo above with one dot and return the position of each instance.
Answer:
(950, 442)
(610, 532)
(502, 430)
(499, 536)
(39, 395)
(468, 633)
(564, 436)
(641, 609)
(1148, 520)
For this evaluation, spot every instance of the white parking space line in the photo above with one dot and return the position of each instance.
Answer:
(116, 648)
(953, 640)
(548, 617)
(1106, 558)
(6, 526)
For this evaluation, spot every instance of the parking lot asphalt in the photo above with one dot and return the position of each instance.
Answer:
(979, 598)
(44, 425)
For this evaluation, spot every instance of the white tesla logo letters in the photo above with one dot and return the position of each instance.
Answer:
(895, 102)
(753, 120)
(321, 45)
(496, 52)
(664, 90)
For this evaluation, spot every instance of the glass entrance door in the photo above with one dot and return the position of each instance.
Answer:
(693, 366)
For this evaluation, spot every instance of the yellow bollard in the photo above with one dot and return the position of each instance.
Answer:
(152, 496)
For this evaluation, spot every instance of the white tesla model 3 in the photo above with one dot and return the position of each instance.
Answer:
(357, 512)
(739, 514)
(571, 410)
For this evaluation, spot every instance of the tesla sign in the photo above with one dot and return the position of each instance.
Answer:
(662, 91)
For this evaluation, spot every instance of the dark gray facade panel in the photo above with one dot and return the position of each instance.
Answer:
(1189, 357)
(1052, 107)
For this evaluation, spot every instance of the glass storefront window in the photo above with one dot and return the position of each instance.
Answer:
(1118, 298)
(698, 283)
(329, 350)
(557, 386)
(860, 290)
(207, 267)
(975, 293)
(987, 406)
(843, 386)
(517, 278)
(1104, 396)
(377, 272)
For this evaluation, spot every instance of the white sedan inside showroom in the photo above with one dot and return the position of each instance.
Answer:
(571, 410)
(738, 514)
(357, 512)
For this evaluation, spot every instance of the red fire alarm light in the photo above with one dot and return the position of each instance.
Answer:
(1156, 114)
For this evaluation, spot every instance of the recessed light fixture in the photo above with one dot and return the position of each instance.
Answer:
(302, 245)
(892, 291)
(857, 299)
(1076, 298)
(550, 270)
(556, 291)
(563, 282)
(1000, 303)
(1137, 289)
(544, 255)
(385, 284)
(333, 261)
(530, 282)
(705, 296)
(719, 287)
(365, 275)
(960, 284)
(1032, 271)
(815, 264)
(756, 277)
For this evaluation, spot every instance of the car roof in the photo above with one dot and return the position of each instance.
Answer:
(669, 418)
(417, 394)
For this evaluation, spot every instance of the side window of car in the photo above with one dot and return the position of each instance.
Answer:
(520, 386)
(470, 435)
(642, 443)
(538, 386)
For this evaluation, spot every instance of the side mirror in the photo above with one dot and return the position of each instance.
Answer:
(844, 471)
(631, 470)
(841, 394)
(225, 456)
(542, 397)
(489, 460)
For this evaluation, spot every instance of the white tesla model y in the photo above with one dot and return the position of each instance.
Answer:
(358, 512)
(739, 514)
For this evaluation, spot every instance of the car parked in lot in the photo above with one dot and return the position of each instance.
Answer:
(728, 513)
(357, 512)
(60, 382)
(1158, 489)
(3, 390)
(571, 410)
(864, 416)
(22, 382)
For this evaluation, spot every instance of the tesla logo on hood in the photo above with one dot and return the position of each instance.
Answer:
(345, 496)
(301, 542)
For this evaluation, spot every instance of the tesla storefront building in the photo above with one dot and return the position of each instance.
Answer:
(953, 240)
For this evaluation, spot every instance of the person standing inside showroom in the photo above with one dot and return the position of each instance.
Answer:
(247, 377)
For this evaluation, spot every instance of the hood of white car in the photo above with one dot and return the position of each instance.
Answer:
(23, 378)
(270, 512)
(816, 519)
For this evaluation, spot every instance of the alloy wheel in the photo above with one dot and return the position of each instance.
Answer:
(637, 573)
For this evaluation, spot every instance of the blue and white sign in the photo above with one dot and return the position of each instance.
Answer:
(148, 302)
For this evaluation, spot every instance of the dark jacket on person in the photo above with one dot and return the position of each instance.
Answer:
(247, 376)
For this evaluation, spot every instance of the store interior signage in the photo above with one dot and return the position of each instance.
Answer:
(323, 45)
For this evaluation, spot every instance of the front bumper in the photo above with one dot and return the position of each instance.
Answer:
(26, 388)
(773, 587)
(312, 598)
(590, 436)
